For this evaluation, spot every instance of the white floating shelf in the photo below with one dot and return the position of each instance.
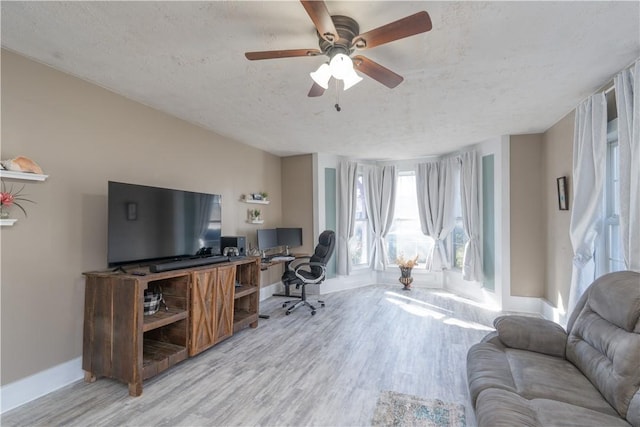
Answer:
(257, 202)
(22, 175)
(7, 222)
(256, 221)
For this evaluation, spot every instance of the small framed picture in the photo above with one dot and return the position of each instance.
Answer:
(563, 194)
(256, 196)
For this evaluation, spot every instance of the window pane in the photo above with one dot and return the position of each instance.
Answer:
(459, 239)
(359, 243)
(405, 236)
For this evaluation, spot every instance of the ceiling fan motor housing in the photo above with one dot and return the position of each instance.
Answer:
(347, 29)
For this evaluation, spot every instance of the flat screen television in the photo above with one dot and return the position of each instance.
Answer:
(147, 224)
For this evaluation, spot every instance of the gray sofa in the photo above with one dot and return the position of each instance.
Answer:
(531, 372)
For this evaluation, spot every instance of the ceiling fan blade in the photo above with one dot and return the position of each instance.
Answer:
(274, 54)
(316, 90)
(377, 71)
(411, 25)
(321, 18)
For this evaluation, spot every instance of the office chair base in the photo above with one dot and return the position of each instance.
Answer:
(300, 304)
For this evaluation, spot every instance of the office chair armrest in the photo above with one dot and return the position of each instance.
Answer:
(293, 264)
(311, 264)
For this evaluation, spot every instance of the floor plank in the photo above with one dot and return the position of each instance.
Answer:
(324, 370)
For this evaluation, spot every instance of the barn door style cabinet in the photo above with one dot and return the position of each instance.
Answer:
(204, 306)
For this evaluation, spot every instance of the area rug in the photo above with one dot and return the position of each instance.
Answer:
(397, 409)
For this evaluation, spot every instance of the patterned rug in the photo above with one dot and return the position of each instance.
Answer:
(397, 409)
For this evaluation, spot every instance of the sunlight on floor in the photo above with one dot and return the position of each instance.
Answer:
(485, 306)
(424, 309)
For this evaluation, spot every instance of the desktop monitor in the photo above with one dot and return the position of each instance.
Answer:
(267, 239)
(289, 237)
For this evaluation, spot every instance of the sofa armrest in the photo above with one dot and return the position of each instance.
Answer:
(531, 333)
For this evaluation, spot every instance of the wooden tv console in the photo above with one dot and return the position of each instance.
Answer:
(205, 305)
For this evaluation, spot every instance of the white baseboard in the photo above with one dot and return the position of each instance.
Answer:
(37, 385)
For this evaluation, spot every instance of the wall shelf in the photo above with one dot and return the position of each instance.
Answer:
(257, 202)
(22, 175)
(256, 221)
(7, 222)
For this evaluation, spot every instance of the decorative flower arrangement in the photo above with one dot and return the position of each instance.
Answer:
(9, 198)
(406, 263)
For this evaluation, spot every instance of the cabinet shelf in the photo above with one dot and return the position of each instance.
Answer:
(158, 356)
(163, 318)
(22, 175)
(242, 319)
(244, 290)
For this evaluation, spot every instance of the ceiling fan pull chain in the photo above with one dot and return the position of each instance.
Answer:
(337, 106)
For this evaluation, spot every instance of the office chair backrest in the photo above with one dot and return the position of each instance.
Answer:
(324, 250)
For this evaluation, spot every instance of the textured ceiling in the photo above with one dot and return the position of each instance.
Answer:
(486, 69)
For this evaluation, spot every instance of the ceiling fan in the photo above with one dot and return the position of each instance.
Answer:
(339, 37)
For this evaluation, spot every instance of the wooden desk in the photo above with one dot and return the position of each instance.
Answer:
(271, 273)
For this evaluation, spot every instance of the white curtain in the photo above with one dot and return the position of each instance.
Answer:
(435, 187)
(627, 87)
(470, 199)
(347, 174)
(380, 197)
(589, 154)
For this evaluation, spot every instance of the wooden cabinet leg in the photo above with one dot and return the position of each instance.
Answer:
(135, 389)
(89, 377)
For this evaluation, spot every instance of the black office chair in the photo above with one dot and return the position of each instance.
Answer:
(312, 272)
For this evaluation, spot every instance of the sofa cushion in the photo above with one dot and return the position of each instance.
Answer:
(531, 333)
(498, 408)
(531, 375)
(604, 339)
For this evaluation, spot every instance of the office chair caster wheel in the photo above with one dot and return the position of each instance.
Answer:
(287, 313)
(313, 312)
(284, 305)
(322, 304)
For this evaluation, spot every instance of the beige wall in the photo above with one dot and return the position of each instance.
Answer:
(557, 158)
(297, 196)
(83, 136)
(527, 225)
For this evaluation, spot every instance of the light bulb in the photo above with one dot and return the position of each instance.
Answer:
(322, 75)
(351, 79)
(340, 65)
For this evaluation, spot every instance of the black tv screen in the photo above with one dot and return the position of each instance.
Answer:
(289, 237)
(150, 223)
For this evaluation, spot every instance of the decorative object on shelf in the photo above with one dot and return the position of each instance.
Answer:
(9, 198)
(262, 196)
(254, 216)
(21, 164)
(153, 300)
(257, 198)
(406, 265)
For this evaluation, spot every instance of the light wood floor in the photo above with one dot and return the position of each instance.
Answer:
(323, 370)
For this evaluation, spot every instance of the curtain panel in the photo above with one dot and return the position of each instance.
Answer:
(435, 192)
(470, 199)
(380, 197)
(627, 89)
(347, 174)
(589, 155)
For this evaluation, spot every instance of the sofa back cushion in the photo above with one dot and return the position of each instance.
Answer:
(604, 339)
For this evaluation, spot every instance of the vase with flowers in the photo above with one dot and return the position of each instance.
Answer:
(10, 198)
(406, 265)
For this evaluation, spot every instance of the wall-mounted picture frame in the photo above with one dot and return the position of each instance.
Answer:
(563, 194)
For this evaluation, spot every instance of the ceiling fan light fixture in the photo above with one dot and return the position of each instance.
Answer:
(322, 75)
(341, 66)
(351, 79)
